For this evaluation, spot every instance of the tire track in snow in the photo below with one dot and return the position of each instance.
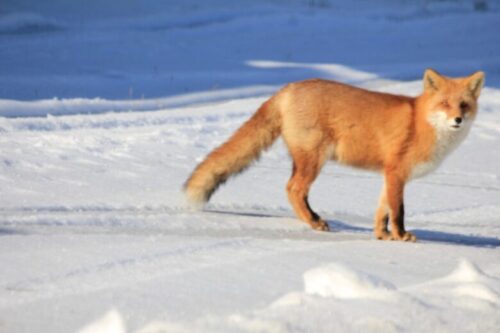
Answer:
(123, 263)
(216, 221)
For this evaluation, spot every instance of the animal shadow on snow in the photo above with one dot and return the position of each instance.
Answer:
(456, 239)
(427, 235)
(422, 235)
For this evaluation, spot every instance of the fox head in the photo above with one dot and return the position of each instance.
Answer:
(451, 103)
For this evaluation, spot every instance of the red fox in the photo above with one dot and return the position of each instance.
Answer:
(402, 137)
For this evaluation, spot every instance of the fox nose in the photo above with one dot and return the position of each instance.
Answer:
(458, 120)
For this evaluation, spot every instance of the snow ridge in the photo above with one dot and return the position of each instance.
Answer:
(463, 300)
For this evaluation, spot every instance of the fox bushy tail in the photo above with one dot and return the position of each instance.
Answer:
(233, 156)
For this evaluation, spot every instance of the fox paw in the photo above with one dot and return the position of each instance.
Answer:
(383, 235)
(405, 237)
(408, 237)
(320, 225)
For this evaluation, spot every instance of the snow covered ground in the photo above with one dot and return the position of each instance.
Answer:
(105, 108)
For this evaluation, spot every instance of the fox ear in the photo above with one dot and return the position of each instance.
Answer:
(432, 80)
(475, 82)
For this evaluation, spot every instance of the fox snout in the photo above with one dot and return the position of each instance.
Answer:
(443, 121)
(454, 118)
(458, 121)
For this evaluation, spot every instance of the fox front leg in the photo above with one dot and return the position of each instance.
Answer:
(394, 188)
(382, 217)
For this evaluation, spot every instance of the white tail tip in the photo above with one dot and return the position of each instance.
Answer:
(196, 197)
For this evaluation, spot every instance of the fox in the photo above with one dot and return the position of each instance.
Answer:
(400, 137)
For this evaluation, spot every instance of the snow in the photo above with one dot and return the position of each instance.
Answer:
(341, 282)
(104, 112)
(340, 299)
(112, 322)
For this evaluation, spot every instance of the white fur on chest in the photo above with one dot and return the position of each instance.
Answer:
(447, 140)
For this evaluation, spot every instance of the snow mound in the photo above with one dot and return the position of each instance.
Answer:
(294, 298)
(465, 287)
(160, 326)
(334, 280)
(25, 23)
(463, 301)
(252, 324)
(469, 281)
(111, 322)
(466, 272)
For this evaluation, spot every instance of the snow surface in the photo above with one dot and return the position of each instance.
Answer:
(105, 109)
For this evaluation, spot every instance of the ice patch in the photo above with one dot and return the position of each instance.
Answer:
(334, 280)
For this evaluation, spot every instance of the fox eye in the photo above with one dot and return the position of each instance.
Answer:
(464, 106)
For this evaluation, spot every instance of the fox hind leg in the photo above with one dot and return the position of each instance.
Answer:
(306, 167)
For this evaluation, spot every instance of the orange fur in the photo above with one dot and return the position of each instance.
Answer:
(402, 137)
